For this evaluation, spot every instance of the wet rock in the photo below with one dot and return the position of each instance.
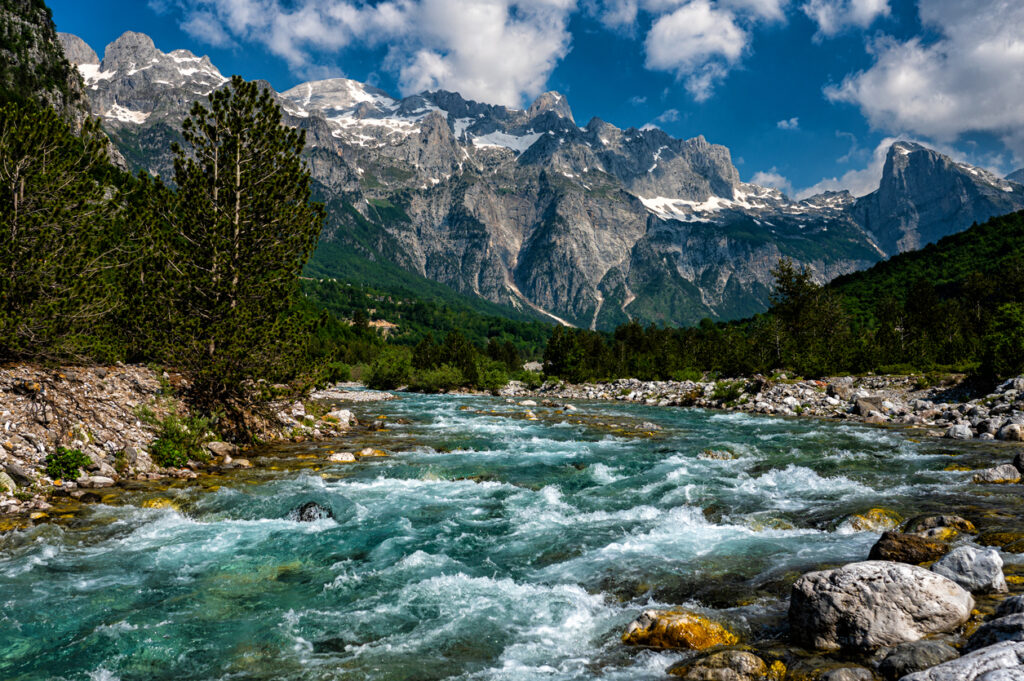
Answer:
(1008, 628)
(676, 629)
(1018, 462)
(1011, 432)
(865, 406)
(342, 457)
(95, 482)
(7, 482)
(862, 606)
(1007, 473)
(914, 657)
(221, 448)
(924, 523)
(977, 570)
(907, 548)
(874, 520)
(343, 418)
(310, 512)
(728, 665)
(371, 452)
(981, 665)
(1014, 605)
(848, 674)
(1000, 536)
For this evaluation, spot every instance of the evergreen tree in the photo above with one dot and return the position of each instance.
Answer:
(57, 265)
(242, 229)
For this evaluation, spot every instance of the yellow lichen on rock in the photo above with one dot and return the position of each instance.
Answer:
(677, 629)
(776, 671)
(161, 502)
(875, 520)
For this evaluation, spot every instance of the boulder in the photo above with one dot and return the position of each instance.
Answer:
(728, 665)
(310, 512)
(18, 474)
(342, 457)
(676, 629)
(960, 431)
(907, 548)
(923, 524)
(914, 657)
(1014, 605)
(1011, 432)
(341, 417)
(221, 448)
(874, 520)
(1018, 462)
(979, 665)
(95, 481)
(868, 605)
(977, 570)
(865, 406)
(1008, 628)
(7, 483)
(1007, 473)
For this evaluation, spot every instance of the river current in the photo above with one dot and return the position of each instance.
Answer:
(487, 546)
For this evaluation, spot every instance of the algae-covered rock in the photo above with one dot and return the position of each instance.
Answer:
(922, 524)
(1007, 473)
(868, 605)
(729, 665)
(907, 548)
(874, 520)
(677, 629)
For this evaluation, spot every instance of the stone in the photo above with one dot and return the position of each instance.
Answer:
(1011, 432)
(371, 452)
(977, 570)
(1018, 462)
(527, 403)
(341, 417)
(872, 604)
(914, 657)
(676, 629)
(1000, 536)
(865, 406)
(847, 674)
(7, 482)
(310, 512)
(17, 473)
(96, 481)
(959, 431)
(875, 520)
(1014, 605)
(907, 548)
(342, 457)
(1008, 628)
(728, 665)
(221, 448)
(1007, 473)
(923, 523)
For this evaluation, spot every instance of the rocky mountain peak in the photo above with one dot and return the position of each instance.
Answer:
(1016, 176)
(77, 50)
(551, 101)
(131, 50)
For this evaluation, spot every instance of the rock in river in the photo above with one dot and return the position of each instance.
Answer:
(1006, 473)
(914, 657)
(907, 548)
(729, 665)
(862, 606)
(977, 570)
(309, 512)
(1000, 662)
(676, 629)
(1008, 628)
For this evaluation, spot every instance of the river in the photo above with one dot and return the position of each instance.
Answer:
(487, 546)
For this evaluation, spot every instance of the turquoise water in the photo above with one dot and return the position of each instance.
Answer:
(486, 547)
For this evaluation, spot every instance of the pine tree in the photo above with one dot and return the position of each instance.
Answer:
(58, 288)
(242, 229)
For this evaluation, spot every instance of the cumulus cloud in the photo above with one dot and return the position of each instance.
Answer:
(498, 51)
(668, 116)
(773, 178)
(789, 124)
(832, 16)
(971, 79)
(699, 42)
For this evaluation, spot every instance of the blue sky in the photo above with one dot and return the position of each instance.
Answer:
(807, 94)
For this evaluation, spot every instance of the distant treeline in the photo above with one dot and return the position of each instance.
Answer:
(954, 305)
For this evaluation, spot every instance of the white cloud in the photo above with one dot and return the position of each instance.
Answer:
(498, 51)
(668, 116)
(969, 80)
(789, 124)
(832, 16)
(699, 42)
(773, 178)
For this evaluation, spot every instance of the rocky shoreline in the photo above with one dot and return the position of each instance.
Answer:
(112, 414)
(941, 409)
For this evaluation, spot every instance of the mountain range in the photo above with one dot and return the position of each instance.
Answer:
(587, 225)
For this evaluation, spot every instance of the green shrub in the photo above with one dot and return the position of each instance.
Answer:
(727, 391)
(493, 377)
(179, 440)
(442, 379)
(391, 369)
(337, 372)
(531, 379)
(65, 464)
(692, 375)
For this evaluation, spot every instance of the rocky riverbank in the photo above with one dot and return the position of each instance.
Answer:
(112, 415)
(944, 410)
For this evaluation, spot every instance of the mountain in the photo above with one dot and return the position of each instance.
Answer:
(1016, 176)
(32, 62)
(589, 226)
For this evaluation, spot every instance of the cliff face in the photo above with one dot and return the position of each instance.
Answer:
(32, 61)
(588, 225)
